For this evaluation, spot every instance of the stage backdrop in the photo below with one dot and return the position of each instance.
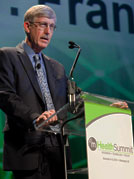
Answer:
(104, 29)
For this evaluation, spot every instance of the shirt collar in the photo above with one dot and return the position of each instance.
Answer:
(30, 52)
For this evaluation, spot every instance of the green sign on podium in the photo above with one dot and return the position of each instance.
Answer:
(109, 139)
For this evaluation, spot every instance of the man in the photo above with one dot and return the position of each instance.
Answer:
(32, 154)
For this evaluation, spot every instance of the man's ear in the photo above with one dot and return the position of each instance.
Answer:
(27, 27)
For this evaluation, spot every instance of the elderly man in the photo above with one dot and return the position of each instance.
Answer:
(32, 87)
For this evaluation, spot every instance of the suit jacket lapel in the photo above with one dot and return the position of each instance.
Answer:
(29, 69)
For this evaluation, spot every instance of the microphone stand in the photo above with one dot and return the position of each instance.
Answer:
(74, 64)
(71, 82)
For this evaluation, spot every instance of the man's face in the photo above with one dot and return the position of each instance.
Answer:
(39, 32)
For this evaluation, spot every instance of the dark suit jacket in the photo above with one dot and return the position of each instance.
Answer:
(21, 100)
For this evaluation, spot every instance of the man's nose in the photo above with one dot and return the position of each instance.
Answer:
(47, 29)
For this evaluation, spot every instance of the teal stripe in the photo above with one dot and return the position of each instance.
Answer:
(80, 164)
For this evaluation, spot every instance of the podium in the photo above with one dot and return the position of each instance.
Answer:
(108, 134)
(109, 139)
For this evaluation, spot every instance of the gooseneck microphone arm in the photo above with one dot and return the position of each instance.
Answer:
(71, 46)
(71, 83)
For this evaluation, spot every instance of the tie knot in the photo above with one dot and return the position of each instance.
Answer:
(37, 61)
(36, 57)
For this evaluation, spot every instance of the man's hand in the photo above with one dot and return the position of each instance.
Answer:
(122, 105)
(45, 115)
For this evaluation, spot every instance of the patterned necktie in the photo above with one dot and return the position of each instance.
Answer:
(43, 83)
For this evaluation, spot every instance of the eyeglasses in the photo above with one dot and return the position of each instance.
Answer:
(44, 25)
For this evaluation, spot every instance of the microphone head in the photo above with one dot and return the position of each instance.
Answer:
(73, 45)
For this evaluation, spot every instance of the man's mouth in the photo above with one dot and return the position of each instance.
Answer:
(44, 38)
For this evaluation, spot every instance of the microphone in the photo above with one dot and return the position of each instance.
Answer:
(73, 45)
(71, 82)
(38, 65)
